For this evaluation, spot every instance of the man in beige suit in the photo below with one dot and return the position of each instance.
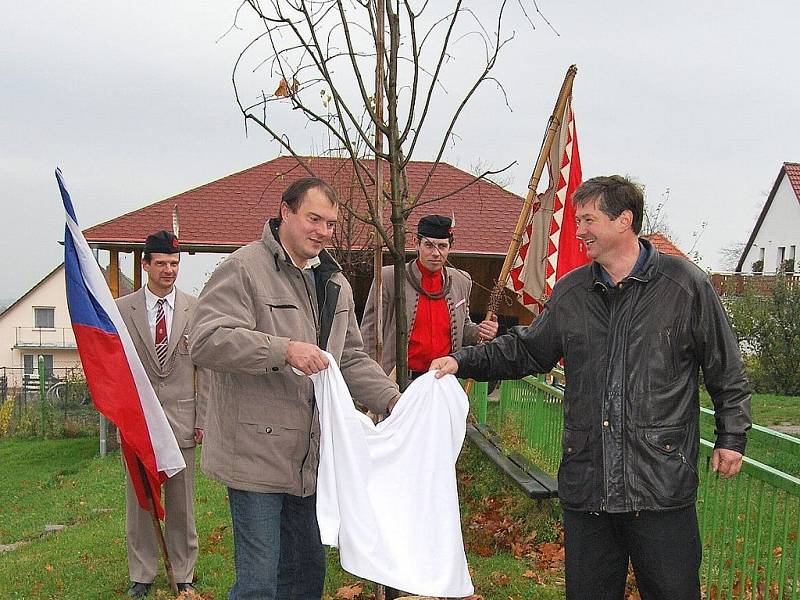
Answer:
(157, 317)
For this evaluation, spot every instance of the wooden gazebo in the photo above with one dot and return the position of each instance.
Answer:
(228, 213)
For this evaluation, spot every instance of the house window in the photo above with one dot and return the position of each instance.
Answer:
(31, 364)
(27, 361)
(48, 364)
(44, 317)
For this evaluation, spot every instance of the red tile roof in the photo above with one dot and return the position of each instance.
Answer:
(231, 211)
(664, 245)
(793, 172)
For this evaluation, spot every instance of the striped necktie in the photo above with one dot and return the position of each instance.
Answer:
(161, 332)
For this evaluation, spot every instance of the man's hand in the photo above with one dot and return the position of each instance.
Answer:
(198, 436)
(446, 365)
(487, 330)
(726, 462)
(307, 358)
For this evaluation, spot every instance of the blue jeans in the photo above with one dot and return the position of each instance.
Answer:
(277, 550)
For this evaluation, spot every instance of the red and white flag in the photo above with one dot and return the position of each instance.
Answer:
(116, 378)
(549, 247)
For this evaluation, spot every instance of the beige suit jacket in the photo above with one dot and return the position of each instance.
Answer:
(180, 387)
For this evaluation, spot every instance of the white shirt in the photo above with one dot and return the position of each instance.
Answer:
(386, 493)
(151, 303)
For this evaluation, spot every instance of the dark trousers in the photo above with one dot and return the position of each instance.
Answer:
(277, 549)
(663, 547)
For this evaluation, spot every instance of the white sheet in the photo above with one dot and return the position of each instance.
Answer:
(386, 493)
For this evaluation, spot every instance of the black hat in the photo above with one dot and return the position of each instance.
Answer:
(162, 242)
(435, 226)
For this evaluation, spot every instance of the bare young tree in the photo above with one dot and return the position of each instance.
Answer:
(317, 58)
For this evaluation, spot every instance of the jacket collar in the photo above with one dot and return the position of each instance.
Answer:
(644, 274)
(271, 240)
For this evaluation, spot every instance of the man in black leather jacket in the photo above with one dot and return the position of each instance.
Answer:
(634, 329)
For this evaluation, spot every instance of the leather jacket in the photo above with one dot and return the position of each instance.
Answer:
(632, 354)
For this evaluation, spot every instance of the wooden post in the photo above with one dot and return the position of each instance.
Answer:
(113, 273)
(137, 270)
(525, 214)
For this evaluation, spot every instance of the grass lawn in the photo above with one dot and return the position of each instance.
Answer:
(768, 409)
(508, 537)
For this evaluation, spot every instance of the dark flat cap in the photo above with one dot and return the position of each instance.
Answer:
(162, 242)
(435, 226)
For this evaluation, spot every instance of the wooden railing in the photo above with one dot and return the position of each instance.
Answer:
(734, 283)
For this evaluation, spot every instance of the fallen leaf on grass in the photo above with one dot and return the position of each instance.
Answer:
(48, 568)
(349, 592)
(533, 575)
(499, 578)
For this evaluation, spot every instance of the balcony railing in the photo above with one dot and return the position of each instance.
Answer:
(55, 338)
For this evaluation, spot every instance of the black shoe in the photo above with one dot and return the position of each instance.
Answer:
(139, 590)
(185, 587)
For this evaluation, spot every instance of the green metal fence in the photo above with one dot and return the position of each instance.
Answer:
(749, 524)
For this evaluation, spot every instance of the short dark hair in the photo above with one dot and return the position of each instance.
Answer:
(616, 194)
(294, 194)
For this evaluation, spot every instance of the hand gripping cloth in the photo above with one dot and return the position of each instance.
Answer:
(386, 493)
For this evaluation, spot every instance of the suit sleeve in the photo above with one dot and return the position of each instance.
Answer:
(365, 378)
(202, 381)
(521, 352)
(471, 335)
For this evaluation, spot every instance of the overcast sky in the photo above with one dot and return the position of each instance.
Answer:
(134, 101)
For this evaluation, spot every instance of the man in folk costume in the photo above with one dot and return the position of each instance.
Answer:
(437, 303)
(157, 317)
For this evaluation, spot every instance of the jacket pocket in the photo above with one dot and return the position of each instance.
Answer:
(183, 425)
(576, 472)
(664, 469)
(265, 453)
(660, 369)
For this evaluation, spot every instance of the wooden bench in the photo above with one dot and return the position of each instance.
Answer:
(531, 479)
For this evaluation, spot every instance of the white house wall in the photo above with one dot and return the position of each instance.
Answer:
(59, 341)
(780, 228)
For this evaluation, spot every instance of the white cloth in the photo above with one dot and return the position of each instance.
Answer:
(386, 493)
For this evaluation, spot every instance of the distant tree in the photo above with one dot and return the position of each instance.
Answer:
(729, 255)
(768, 328)
(655, 220)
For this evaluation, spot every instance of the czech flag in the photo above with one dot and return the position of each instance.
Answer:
(116, 378)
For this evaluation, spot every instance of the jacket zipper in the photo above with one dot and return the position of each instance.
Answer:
(310, 429)
(686, 462)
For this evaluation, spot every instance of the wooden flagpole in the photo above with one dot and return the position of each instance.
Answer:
(157, 528)
(524, 216)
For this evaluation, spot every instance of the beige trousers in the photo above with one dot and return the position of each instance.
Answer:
(179, 529)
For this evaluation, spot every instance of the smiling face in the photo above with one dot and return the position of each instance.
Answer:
(162, 271)
(306, 232)
(604, 238)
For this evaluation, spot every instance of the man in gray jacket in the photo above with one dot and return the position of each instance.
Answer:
(267, 311)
